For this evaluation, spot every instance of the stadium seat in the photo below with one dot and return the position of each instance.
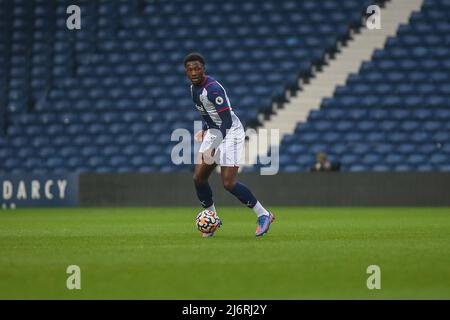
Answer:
(115, 91)
(404, 127)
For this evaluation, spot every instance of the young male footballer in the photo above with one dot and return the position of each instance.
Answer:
(222, 140)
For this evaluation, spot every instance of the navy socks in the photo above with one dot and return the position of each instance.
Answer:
(204, 194)
(244, 195)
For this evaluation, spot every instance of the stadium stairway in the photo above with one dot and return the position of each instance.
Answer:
(323, 83)
(96, 99)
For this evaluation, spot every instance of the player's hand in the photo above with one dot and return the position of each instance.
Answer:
(199, 135)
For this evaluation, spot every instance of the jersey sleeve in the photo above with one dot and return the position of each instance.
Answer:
(218, 97)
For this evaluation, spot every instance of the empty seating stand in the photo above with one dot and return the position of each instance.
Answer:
(394, 115)
(107, 97)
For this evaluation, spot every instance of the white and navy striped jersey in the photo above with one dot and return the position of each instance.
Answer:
(211, 99)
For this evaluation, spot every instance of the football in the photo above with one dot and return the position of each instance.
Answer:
(207, 221)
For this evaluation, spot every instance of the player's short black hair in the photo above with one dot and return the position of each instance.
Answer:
(194, 57)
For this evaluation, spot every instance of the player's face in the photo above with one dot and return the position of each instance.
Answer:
(195, 72)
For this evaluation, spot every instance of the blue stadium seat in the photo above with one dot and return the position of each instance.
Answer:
(118, 90)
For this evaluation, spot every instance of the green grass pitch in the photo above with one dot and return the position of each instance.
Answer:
(156, 253)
